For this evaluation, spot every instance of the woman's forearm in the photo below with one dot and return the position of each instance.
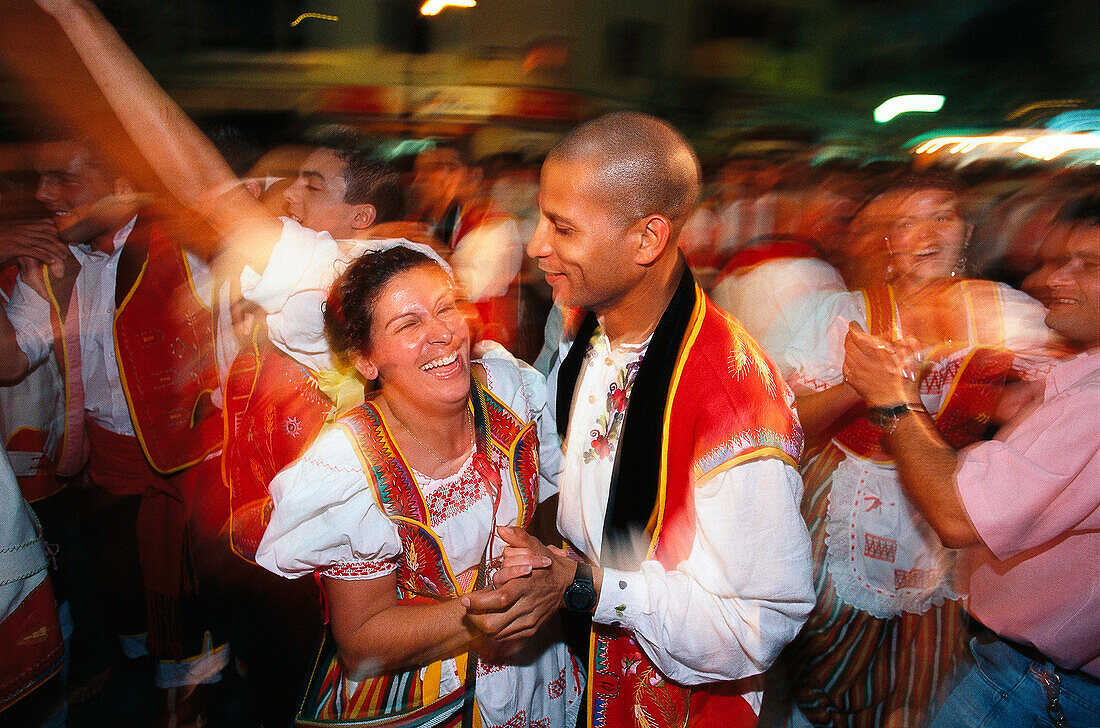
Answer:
(817, 411)
(396, 636)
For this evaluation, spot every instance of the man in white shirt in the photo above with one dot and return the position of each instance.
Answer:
(127, 312)
(679, 486)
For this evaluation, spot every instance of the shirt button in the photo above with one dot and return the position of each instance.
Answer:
(591, 399)
(608, 361)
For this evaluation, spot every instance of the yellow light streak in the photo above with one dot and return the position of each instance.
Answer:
(963, 144)
(1052, 104)
(1053, 146)
(434, 7)
(317, 16)
(890, 108)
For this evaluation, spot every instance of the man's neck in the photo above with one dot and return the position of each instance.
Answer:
(634, 317)
(105, 243)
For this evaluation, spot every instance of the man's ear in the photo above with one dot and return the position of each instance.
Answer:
(655, 234)
(364, 366)
(364, 216)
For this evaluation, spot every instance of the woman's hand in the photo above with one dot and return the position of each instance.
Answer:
(520, 561)
(884, 373)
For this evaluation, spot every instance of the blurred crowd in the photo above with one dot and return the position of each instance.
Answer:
(154, 387)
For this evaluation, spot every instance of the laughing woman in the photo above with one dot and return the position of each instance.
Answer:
(395, 509)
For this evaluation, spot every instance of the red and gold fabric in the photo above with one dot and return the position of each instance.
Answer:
(272, 411)
(695, 349)
(164, 344)
(164, 341)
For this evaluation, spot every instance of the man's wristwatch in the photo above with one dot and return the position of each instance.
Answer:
(887, 418)
(580, 595)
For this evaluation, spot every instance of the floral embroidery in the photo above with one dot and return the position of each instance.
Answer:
(484, 668)
(556, 688)
(608, 425)
(458, 494)
(292, 426)
(354, 570)
(519, 720)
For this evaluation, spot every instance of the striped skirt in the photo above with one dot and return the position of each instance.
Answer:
(848, 668)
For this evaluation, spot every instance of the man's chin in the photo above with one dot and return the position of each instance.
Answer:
(78, 230)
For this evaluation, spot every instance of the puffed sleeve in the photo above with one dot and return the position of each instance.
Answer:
(326, 518)
(291, 290)
(745, 589)
(523, 389)
(1034, 345)
(814, 358)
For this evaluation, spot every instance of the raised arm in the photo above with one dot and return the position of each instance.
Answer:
(181, 156)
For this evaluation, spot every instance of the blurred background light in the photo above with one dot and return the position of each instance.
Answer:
(890, 108)
(1053, 146)
(434, 7)
(964, 144)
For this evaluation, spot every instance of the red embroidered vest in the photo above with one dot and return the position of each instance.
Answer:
(164, 342)
(272, 411)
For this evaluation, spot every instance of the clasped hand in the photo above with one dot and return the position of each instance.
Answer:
(528, 588)
(884, 373)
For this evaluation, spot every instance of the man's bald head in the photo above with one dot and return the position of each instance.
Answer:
(643, 165)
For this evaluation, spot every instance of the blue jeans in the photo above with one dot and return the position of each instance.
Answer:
(1003, 689)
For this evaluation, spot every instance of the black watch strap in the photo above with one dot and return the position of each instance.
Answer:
(580, 595)
(887, 417)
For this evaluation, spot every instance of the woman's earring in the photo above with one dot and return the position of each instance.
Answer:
(959, 271)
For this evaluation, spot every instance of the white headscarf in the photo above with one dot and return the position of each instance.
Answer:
(365, 247)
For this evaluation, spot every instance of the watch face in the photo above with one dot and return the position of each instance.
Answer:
(580, 597)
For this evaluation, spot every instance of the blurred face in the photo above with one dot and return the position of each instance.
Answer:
(316, 197)
(928, 235)
(439, 176)
(420, 344)
(824, 219)
(864, 259)
(580, 242)
(68, 179)
(1071, 288)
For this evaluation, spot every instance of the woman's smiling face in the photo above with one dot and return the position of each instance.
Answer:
(420, 343)
(927, 236)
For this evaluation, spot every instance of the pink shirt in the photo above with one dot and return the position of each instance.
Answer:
(1033, 495)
